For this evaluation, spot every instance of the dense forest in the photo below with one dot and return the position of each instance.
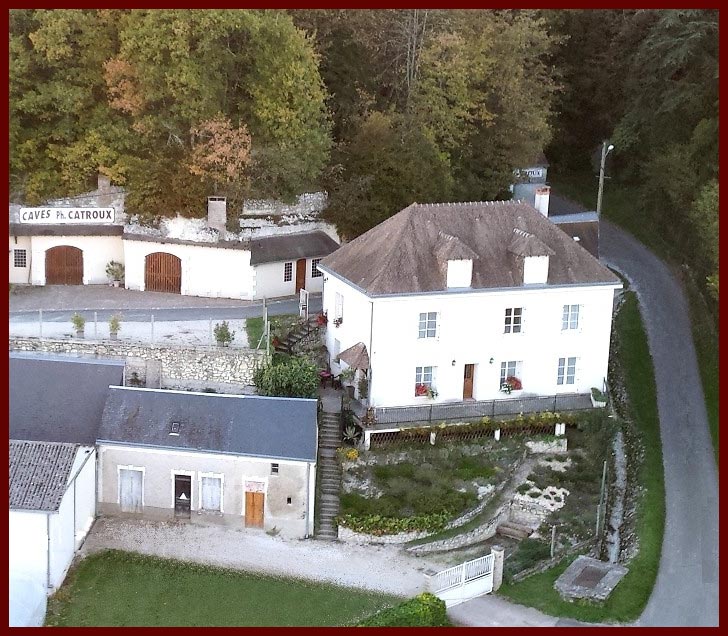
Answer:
(378, 107)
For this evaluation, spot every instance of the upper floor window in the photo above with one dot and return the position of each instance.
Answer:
(514, 320)
(315, 272)
(339, 307)
(567, 371)
(287, 272)
(428, 325)
(20, 258)
(570, 317)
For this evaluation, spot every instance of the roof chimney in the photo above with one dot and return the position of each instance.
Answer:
(217, 213)
(542, 200)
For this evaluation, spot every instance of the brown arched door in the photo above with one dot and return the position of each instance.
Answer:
(64, 265)
(163, 272)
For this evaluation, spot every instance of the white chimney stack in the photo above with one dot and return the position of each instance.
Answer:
(104, 183)
(542, 200)
(217, 213)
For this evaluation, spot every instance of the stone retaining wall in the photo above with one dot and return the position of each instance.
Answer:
(193, 364)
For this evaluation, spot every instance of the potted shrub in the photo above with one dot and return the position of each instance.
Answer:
(79, 324)
(421, 390)
(115, 271)
(223, 334)
(512, 383)
(322, 320)
(363, 389)
(338, 321)
(598, 398)
(114, 326)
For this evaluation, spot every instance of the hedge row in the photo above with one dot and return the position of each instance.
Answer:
(379, 525)
(424, 610)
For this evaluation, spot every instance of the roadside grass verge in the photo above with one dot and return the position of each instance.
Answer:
(116, 588)
(620, 206)
(632, 593)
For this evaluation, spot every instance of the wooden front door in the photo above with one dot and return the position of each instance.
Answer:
(300, 274)
(468, 381)
(254, 503)
(182, 495)
(64, 265)
(163, 272)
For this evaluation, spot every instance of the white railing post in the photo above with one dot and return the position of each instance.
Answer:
(367, 440)
(498, 558)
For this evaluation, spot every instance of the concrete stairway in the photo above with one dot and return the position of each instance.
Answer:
(514, 530)
(329, 476)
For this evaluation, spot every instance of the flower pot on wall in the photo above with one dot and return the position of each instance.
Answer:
(79, 333)
(113, 335)
(116, 283)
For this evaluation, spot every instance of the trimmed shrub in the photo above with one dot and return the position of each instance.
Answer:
(424, 610)
(296, 377)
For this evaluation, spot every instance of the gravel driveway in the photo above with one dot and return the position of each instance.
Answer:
(380, 568)
(686, 590)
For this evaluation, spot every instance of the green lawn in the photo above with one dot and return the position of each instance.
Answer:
(116, 588)
(630, 596)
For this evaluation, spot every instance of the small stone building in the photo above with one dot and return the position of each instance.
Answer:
(242, 461)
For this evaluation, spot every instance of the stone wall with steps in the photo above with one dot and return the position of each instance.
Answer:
(329, 469)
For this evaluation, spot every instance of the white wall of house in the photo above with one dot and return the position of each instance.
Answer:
(207, 271)
(356, 310)
(270, 279)
(97, 252)
(19, 274)
(294, 480)
(471, 330)
(32, 554)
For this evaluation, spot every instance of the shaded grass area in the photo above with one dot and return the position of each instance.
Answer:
(116, 588)
(620, 205)
(631, 595)
(254, 327)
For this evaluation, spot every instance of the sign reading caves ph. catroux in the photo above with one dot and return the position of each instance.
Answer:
(78, 216)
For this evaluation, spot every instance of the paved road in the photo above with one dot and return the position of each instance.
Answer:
(686, 590)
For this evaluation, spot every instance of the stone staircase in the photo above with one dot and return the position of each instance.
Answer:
(329, 470)
(298, 333)
(514, 530)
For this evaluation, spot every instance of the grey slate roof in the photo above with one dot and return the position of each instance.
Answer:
(39, 473)
(584, 226)
(399, 255)
(271, 249)
(560, 205)
(59, 399)
(278, 428)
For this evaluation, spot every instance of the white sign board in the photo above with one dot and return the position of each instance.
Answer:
(75, 216)
(531, 173)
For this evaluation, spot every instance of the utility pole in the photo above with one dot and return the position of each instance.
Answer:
(606, 149)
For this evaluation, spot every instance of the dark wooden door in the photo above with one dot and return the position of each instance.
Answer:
(300, 274)
(254, 503)
(64, 265)
(468, 381)
(163, 272)
(182, 495)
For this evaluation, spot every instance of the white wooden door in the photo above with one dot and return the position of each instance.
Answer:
(130, 490)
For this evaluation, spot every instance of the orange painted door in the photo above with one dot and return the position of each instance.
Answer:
(254, 503)
(300, 274)
(468, 381)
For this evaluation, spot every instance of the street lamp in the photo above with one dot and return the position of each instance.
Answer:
(605, 151)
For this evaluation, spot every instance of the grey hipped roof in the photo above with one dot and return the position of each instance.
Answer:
(59, 399)
(271, 249)
(60, 229)
(400, 255)
(276, 428)
(39, 473)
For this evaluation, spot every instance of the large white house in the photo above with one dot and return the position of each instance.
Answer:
(466, 301)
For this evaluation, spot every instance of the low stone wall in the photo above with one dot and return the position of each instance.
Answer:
(193, 364)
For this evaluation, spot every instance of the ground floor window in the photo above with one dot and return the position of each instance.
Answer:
(424, 380)
(211, 492)
(510, 376)
(287, 272)
(20, 258)
(567, 371)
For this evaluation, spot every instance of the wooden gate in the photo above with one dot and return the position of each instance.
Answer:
(64, 265)
(254, 504)
(163, 273)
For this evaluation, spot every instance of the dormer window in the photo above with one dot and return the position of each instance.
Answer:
(535, 254)
(459, 273)
(174, 429)
(457, 260)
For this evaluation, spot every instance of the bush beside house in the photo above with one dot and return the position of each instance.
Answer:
(294, 377)
(424, 610)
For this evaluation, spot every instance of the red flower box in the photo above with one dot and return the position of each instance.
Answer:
(514, 383)
(420, 390)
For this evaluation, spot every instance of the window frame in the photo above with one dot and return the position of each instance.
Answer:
(562, 371)
(505, 372)
(288, 272)
(420, 378)
(427, 325)
(512, 322)
(568, 313)
(315, 271)
(17, 253)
